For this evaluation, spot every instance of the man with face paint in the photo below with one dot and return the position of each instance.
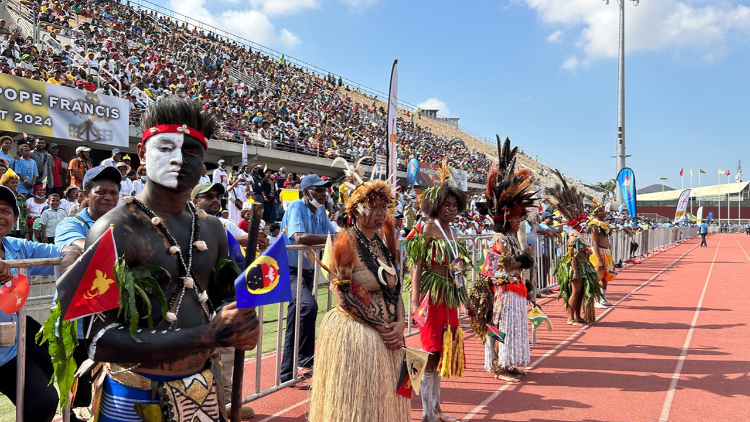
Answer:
(159, 227)
(306, 223)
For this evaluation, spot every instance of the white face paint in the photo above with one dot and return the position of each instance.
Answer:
(164, 158)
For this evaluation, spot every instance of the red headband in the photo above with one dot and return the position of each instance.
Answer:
(184, 129)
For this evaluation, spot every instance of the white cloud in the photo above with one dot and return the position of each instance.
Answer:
(435, 104)
(554, 37)
(570, 64)
(684, 27)
(281, 7)
(251, 24)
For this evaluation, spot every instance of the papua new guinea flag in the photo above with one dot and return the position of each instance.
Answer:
(404, 386)
(266, 280)
(89, 285)
(494, 332)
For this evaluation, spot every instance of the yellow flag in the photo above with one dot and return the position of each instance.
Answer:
(327, 257)
(416, 361)
(691, 171)
(10, 171)
(720, 171)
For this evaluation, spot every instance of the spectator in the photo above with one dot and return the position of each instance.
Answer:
(40, 396)
(59, 172)
(140, 182)
(305, 223)
(114, 159)
(50, 219)
(274, 233)
(268, 190)
(132, 174)
(27, 170)
(79, 166)
(126, 185)
(204, 176)
(69, 198)
(11, 181)
(78, 205)
(6, 142)
(35, 205)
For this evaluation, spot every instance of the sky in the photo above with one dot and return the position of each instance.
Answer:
(541, 72)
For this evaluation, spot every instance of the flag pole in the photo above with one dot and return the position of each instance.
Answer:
(256, 212)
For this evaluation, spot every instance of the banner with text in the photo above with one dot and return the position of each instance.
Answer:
(427, 176)
(460, 179)
(50, 110)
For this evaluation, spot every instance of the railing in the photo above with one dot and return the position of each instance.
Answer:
(547, 252)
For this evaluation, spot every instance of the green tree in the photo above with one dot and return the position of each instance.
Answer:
(608, 187)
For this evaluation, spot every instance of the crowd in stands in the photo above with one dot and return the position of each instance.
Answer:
(110, 47)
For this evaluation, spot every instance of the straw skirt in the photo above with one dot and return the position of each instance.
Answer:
(355, 375)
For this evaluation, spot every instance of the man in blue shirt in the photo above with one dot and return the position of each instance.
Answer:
(703, 232)
(101, 187)
(40, 397)
(306, 223)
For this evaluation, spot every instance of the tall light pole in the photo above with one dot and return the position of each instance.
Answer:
(663, 179)
(620, 152)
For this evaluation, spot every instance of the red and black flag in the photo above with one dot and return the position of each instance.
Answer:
(404, 387)
(89, 285)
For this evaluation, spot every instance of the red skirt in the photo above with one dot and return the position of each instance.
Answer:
(438, 316)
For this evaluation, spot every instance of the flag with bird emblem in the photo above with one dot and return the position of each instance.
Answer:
(266, 280)
(89, 285)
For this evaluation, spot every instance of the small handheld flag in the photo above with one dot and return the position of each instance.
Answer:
(416, 361)
(236, 252)
(89, 285)
(422, 312)
(13, 293)
(266, 280)
(403, 386)
(327, 258)
(536, 316)
(494, 332)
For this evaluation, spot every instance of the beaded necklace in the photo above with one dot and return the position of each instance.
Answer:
(376, 265)
(186, 276)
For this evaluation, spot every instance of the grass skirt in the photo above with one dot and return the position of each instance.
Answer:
(355, 375)
(512, 320)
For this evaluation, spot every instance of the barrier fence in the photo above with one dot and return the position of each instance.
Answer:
(547, 252)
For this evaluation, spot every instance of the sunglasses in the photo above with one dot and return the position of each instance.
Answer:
(210, 196)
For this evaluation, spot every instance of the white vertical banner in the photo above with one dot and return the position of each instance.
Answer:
(699, 214)
(682, 204)
(392, 154)
(244, 152)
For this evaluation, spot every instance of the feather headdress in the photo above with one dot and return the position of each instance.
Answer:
(443, 175)
(509, 193)
(355, 172)
(570, 202)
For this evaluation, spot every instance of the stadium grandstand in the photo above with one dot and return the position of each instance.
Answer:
(289, 113)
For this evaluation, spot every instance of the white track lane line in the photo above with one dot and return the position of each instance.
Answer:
(681, 361)
(568, 340)
(743, 249)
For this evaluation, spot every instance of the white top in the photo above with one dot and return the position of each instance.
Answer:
(126, 189)
(221, 176)
(51, 218)
(238, 192)
(232, 228)
(35, 210)
(138, 187)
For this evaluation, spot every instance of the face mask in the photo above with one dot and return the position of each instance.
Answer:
(282, 175)
(40, 197)
(143, 178)
(314, 202)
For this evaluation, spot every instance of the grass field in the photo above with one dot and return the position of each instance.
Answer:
(270, 332)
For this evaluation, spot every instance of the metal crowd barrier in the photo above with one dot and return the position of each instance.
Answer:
(547, 252)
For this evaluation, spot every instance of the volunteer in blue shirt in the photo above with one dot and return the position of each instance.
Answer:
(703, 232)
(306, 223)
(40, 397)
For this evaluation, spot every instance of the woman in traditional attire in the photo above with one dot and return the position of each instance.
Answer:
(577, 276)
(509, 196)
(438, 274)
(359, 352)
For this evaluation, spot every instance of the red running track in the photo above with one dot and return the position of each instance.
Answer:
(674, 348)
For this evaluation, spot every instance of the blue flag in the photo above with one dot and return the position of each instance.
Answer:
(626, 181)
(710, 216)
(266, 280)
(411, 171)
(236, 252)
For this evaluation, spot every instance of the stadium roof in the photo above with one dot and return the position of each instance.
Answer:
(705, 191)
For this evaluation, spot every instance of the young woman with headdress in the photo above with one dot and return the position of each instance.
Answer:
(359, 352)
(509, 195)
(599, 230)
(439, 266)
(576, 275)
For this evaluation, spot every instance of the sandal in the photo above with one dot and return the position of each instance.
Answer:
(505, 376)
(516, 371)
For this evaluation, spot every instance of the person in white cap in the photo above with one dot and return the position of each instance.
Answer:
(79, 166)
